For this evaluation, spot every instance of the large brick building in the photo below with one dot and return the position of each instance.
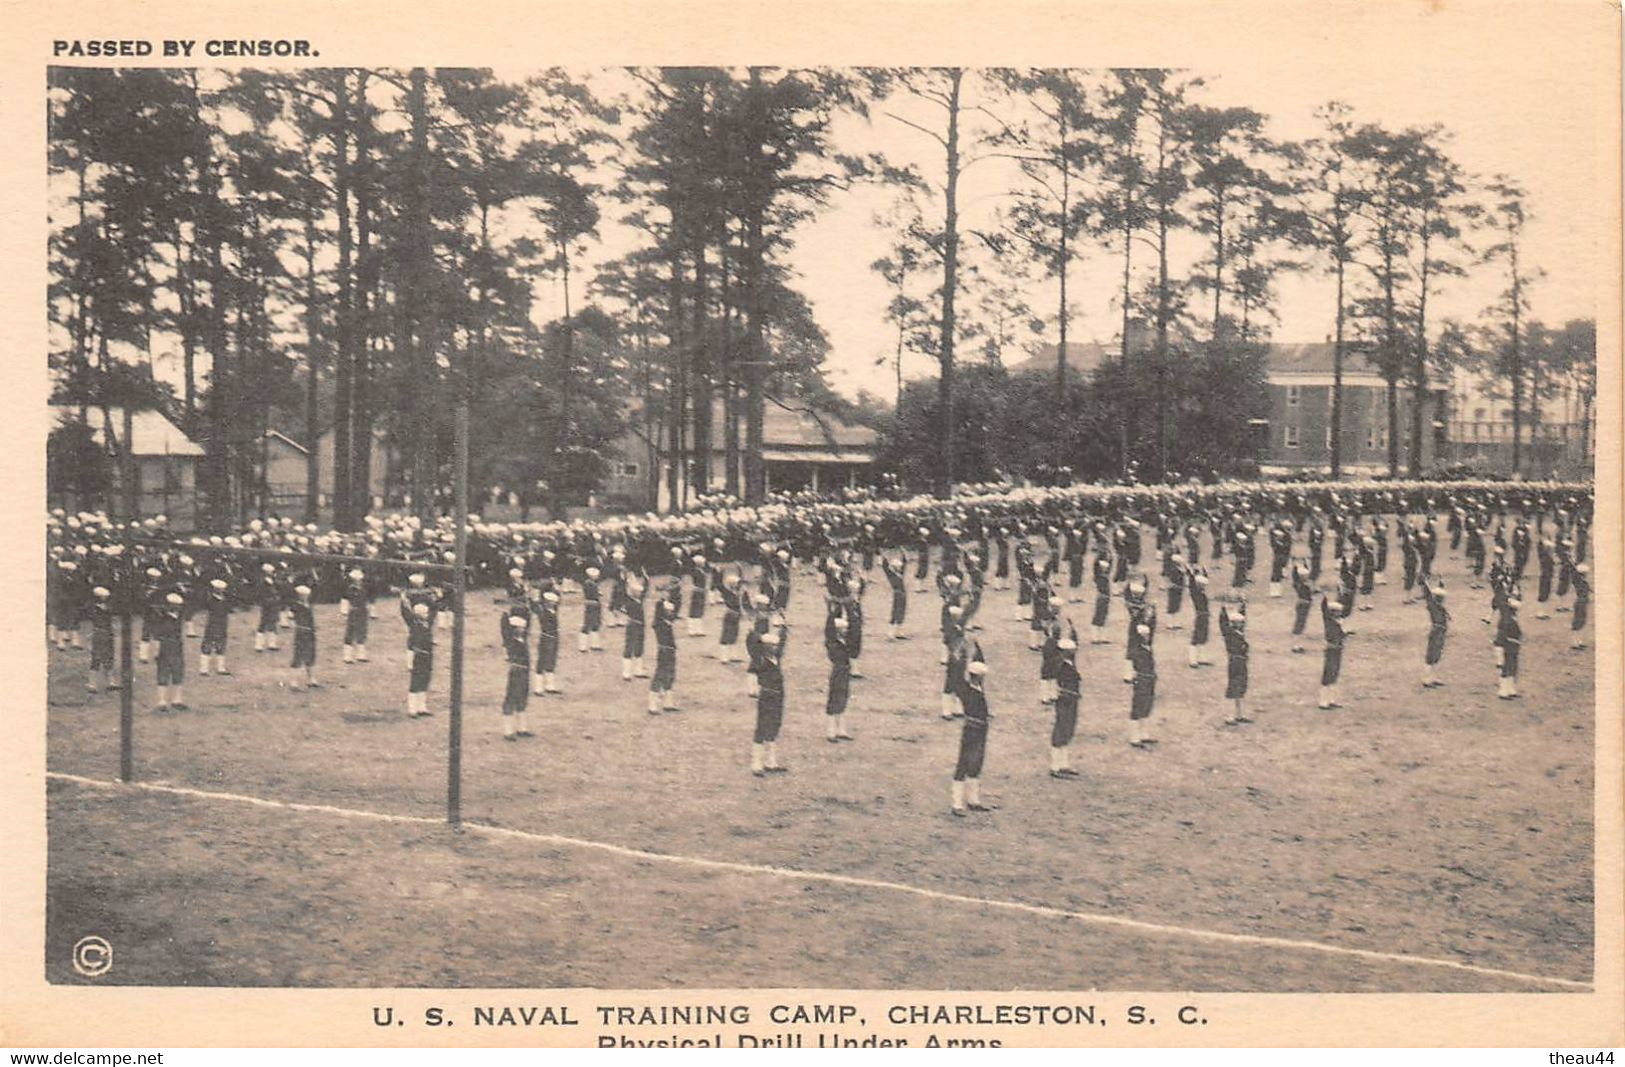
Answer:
(1296, 433)
(1298, 429)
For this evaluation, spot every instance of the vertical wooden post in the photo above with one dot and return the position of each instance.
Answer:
(459, 589)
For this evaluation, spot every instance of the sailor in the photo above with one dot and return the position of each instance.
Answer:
(967, 787)
(1233, 628)
(516, 647)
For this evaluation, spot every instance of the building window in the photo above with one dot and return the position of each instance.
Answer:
(1376, 436)
(1292, 437)
(629, 470)
(1293, 395)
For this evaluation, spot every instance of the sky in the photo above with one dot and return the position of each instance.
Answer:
(1538, 128)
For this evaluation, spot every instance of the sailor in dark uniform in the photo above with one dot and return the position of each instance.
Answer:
(1509, 638)
(1331, 669)
(1304, 591)
(516, 646)
(1317, 544)
(1103, 599)
(764, 749)
(1068, 687)
(634, 595)
(662, 687)
(1438, 628)
(1280, 553)
(268, 596)
(1201, 617)
(1546, 561)
(837, 632)
(1582, 604)
(544, 610)
(1144, 697)
(732, 589)
(353, 610)
(166, 631)
(217, 620)
(304, 639)
(699, 582)
(967, 787)
(1233, 628)
(591, 636)
(101, 639)
(896, 578)
(418, 612)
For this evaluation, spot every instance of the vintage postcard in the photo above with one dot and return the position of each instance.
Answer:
(793, 525)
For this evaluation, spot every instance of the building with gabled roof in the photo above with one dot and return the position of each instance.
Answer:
(801, 449)
(166, 460)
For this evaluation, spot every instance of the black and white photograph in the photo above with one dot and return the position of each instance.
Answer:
(1084, 526)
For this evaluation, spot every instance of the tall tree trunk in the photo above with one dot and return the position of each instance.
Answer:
(366, 300)
(1128, 322)
(700, 364)
(676, 389)
(1164, 305)
(1419, 366)
(1337, 369)
(1517, 364)
(1534, 410)
(344, 312)
(313, 361)
(424, 434)
(217, 447)
(81, 324)
(730, 384)
(567, 377)
(756, 197)
(1391, 343)
(1218, 260)
(1065, 262)
(950, 283)
(186, 300)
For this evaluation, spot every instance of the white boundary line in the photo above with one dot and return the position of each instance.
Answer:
(1047, 911)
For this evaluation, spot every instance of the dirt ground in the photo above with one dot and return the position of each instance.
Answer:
(1435, 823)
